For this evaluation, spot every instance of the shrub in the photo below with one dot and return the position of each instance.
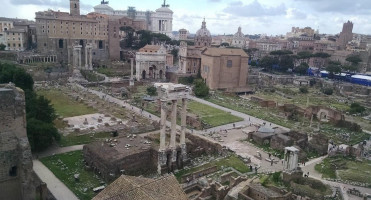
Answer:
(328, 91)
(312, 82)
(201, 89)
(304, 90)
(276, 177)
(356, 108)
(152, 91)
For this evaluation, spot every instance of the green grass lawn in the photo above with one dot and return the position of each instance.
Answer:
(347, 169)
(232, 161)
(64, 106)
(65, 166)
(73, 139)
(244, 106)
(212, 116)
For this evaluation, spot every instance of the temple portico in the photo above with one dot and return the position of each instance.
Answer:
(169, 156)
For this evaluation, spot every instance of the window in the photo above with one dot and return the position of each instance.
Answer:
(75, 6)
(100, 44)
(13, 171)
(19, 45)
(229, 63)
(61, 44)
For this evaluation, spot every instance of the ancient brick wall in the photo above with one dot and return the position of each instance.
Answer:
(134, 165)
(15, 152)
(199, 146)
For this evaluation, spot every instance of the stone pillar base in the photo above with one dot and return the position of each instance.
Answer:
(161, 161)
(184, 152)
(131, 82)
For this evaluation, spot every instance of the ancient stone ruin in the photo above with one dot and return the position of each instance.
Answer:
(16, 173)
(171, 154)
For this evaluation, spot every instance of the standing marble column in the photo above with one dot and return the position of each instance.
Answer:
(79, 51)
(86, 58)
(163, 127)
(173, 124)
(183, 121)
(183, 129)
(132, 72)
(91, 58)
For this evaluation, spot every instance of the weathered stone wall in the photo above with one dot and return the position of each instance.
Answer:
(319, 143)
(15, 152)
(135, 164)
(199, 146)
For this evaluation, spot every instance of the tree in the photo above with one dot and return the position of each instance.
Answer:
(129, 36)
(39, 113)
(281, 52)
(2, 47)
(267, 62)
(152, 91)
(302, 69)
(40, 134)
(201, 89)
(304, 56)
(354, 59)
(321, 55)
(175, 53)
(333, 69)
(286, 62)
(350, 68)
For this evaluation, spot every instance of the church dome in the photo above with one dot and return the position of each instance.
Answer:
(203, 31)
(103, 7)
(164, 9)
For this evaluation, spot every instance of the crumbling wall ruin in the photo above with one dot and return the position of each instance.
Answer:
(16, 173)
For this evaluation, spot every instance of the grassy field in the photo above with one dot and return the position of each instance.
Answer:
(209, 115)
(64, 106)
(232, 161)
(73, 139)
(212, 116)
(345, 169)
(273, 115)
(244, 106)
(65, 166)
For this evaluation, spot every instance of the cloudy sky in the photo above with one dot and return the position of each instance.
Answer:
(224, 16)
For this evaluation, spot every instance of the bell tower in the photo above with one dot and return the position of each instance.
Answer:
(75, 7)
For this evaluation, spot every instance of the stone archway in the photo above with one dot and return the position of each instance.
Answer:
(161, 74)
(144, 74)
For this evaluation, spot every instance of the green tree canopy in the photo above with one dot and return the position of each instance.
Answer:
(201, 89)
(305, 55)
(2, 47)
(40, 114)
(281, 52)
(321, 55)
(302, 68)
(286, 62)
(354, 59)
(333, 69)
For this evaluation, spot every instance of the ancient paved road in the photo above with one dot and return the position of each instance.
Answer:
(58, 150)
(56, 187)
